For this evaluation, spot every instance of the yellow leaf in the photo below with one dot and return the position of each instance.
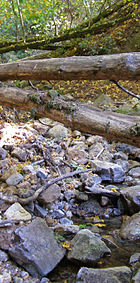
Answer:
(113, 190)
(100, 225)
(66, 245)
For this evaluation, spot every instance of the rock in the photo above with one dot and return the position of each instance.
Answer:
(136, 277)
(95, 149)
(95, 139)
(66, 221)
(3, 256)
(5, 277)
(58, 214)
(108, 171)
(90, 179)
(41, 173)
(40, 211)
(14, 179)
(17, 279)
(120, 274)
(17, 212)
(134, 172)
(20, 154)
(70, 194)
(91, 208)
(50, 195)
(123, 163)
(134, 258)
(120, 155)
(76, 153)
(103, 101)
(3, 153)
(58, 132)
(130, 229)
(36, 249)
(42, 129)
(24, 189)
(131, 196)
(87, 248)
(66, 230)
(7, 173)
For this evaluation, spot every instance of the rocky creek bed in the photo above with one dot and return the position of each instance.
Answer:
(69, 206)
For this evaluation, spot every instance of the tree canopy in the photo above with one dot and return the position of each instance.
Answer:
(66, 25)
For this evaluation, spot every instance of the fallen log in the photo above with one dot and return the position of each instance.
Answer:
(124, 66)
(80, 116)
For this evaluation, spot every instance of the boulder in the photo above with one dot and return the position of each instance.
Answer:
(130, 229)
(36, 249)
(120, 274)
(87, 248)
(131, 195)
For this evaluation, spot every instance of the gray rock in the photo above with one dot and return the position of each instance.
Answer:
(108, 171)
(131, 196)
(123, 163)
(19, 153)
(58, 131)
(17, 279)
(3, 256)
(66, 221)
(50, 195)
(134, 258)
(120, 155)
(76, 153)
(5, 277)
(136, 277)
(135, 172)
(14, 179)
(120, 274)
(58, 214)
(66, 230)
(3, 153)
(17, 212)
(90, 180)
(91, 207)
(36, 249)
(95, 139)
(130, 229)
(87, 248)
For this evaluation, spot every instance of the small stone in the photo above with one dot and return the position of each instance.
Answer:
(66, 221)
(135, 172)
(44, 280)
(3, 256)
(17, 212)
(58, 214)
(134, 258)
(14, 179)
(58, 131)
(104, 201)
(19, 153)
(50, 195)
(40, 211)
(41, 174)
(3, 153)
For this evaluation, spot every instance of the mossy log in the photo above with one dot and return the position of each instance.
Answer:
(80, 116)
(124, 66)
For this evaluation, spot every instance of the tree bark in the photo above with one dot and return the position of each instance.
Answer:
(113, 126)
(124, 66)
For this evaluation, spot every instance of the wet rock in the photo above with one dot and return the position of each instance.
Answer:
(58, 131)
(17, 212)
(120, 274)
(131, 196)
(20, 154)
(3, 153)
(108, 171)
(134, 172)
(87, 248)
(36, 249)
(14, 179)
(130, 229)
(50, 195)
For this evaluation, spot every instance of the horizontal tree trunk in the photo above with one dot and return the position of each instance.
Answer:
(124, 66)
(79, 116)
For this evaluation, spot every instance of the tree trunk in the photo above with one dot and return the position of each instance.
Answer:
(114, 126)
(124, 66)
